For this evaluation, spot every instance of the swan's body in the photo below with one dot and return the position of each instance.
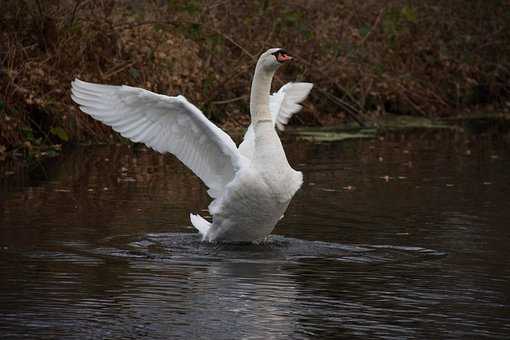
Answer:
(251, 186)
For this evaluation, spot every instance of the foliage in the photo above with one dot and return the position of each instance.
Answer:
(366, 58)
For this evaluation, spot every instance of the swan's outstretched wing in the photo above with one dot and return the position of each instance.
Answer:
(166, 124)
(282, 104)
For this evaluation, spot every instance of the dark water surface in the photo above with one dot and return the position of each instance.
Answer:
(404, 236)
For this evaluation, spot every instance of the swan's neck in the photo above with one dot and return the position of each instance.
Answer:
(259, 98)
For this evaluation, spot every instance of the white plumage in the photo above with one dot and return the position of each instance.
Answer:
(282, 105)
(251, 186)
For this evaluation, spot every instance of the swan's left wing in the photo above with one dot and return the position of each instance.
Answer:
(284, 103)
(166, 124)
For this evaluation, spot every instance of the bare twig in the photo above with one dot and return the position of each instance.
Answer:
(351, 111)
(77, 4)
(131, 25)
(336, 84)
(252, 56)
(117, 70)
(376, 22)
(241, 68)
(228, 101)
(39, 8)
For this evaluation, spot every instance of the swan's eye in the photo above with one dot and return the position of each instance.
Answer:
(282, 56)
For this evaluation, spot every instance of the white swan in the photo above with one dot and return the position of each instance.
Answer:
(251, 186)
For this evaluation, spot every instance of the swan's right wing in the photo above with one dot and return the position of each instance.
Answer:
(284, 103)
(166, 124)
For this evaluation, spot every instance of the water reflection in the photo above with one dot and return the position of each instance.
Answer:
(399, 236)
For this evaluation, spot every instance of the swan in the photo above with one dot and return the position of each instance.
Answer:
(251, 186)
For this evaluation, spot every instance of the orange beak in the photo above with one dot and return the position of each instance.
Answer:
(283, 57)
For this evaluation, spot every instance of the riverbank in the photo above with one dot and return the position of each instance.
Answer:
(367, 60)
(480, 127)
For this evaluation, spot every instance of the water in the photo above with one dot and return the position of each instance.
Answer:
(402, 236)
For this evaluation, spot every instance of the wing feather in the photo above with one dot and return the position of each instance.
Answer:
(282, 105)
(166, 124)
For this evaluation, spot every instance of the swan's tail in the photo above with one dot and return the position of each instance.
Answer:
(200, 224)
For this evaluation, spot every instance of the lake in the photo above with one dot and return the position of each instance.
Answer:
(404, 235)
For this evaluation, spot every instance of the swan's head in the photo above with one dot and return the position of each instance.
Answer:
(273, 58)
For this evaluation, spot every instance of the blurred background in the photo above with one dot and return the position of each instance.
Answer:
(367, 59)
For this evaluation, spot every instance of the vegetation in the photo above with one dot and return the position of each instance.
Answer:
(368, 58)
